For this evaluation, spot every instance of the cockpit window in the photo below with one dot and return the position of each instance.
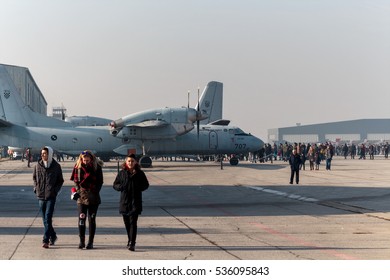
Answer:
(238, 131)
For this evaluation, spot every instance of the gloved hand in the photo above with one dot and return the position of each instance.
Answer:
(75, 195)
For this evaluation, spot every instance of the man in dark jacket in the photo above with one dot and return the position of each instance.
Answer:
(295, 162)
(48, 181)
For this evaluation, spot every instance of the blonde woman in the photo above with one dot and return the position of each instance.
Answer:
(311, 157)
(87, 176)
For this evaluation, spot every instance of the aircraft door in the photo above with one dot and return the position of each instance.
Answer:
(213, 140)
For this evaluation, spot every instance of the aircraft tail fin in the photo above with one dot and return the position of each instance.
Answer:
(11, 105)
(14, 111)
(211, 102)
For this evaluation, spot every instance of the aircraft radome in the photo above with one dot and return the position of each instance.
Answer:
(152, 132)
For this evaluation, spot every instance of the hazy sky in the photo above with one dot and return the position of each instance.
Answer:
(282, 62)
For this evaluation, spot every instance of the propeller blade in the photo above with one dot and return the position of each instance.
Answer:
(197, 128)
(198, 101)
(198, 116)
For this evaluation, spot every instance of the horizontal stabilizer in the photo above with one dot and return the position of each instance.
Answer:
(220, 122)
(4, 123)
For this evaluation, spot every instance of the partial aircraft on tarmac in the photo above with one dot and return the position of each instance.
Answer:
(163, 131)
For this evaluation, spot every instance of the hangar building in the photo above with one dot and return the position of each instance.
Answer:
(362, 130)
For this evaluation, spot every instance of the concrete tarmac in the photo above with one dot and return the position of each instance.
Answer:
(198, 211)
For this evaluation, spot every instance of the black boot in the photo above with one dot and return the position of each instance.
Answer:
(90, 243)
(82, 242)
(132, 247)
(82, 233)
(92, 230)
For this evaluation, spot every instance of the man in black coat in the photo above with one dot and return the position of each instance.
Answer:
(295, 162)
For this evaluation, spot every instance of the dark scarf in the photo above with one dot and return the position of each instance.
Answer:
(131, 171)
(87, 176)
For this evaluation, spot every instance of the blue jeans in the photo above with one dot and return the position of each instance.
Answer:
(328, 162)
(46, 208)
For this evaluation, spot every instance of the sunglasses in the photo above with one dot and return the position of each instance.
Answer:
(86, 153)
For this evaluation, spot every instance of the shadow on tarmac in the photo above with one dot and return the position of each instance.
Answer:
(209, 201)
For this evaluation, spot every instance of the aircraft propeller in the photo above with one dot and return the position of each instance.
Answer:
(199, 115)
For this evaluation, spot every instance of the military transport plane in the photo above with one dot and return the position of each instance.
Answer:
(153, 132)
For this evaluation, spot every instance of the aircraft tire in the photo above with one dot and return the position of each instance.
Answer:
(233, 161)
(145, 162)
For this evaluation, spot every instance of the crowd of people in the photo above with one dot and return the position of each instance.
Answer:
(297, 154)
(317, 152)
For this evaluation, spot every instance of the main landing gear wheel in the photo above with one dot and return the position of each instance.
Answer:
(233, 161)
(145, 162)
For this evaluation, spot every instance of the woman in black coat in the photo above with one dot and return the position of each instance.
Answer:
(131, 182)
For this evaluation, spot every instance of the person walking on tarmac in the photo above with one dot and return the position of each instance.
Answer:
(295, 162)
(345, 150)
(329, 156)
(87, 176)
(386, 150)
(28, 156)
(48, 180)
(131, 182)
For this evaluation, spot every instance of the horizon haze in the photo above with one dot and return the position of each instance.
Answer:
(281, 62)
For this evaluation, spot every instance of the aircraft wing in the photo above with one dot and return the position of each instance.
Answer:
(149, 123)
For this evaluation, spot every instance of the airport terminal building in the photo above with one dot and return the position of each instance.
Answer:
(357, 131)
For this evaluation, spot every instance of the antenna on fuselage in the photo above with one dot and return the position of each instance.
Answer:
(62, 111)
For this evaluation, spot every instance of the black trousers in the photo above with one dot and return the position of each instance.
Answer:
(131, 227)
(89, 211)
(296, 172)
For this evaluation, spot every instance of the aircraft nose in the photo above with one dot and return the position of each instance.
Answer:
(257, 143)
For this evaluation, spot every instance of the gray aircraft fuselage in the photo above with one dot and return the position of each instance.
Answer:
(72, 140)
